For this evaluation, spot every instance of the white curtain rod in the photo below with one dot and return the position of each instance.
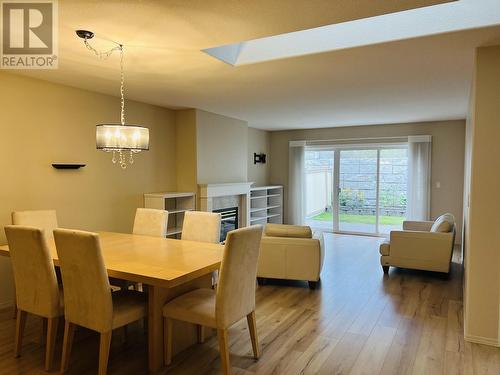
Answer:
(313, 142)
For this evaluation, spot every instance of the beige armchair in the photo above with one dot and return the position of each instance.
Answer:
(291, 252)
(36, 284)
(421, 245)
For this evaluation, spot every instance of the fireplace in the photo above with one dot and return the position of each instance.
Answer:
(229, 221)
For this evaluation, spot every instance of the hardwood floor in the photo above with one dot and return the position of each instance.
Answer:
(358, 321)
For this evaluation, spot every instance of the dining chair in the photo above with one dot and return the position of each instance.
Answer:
(37, 290)
(88, 299)
(233, 299)
(43, 219)
(147, 222)
(150, 222)
(201, 226)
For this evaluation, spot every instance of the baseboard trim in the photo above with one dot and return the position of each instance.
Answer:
(482, 340)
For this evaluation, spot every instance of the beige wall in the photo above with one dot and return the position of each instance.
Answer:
(221, 148)
(42, 123)
(259, 141)
(447, 156)
(186, 150)
(482, 280)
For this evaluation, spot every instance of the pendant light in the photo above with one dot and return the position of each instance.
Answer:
(121, 139)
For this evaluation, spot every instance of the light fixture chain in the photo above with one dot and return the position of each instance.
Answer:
(122, 87)
(101, 55)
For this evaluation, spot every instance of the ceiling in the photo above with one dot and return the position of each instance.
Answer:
(419, 79)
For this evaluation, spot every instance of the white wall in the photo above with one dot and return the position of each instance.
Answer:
(482, 249)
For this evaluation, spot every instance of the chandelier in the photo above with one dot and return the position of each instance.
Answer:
(121, 139)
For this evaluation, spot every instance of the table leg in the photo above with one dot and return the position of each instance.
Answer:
(157, 298)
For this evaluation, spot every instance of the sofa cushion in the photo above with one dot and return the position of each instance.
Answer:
(384, 248)
(443, 223)
(282, 230)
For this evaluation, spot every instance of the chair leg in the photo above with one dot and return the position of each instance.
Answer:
(52, 324)
(20, 324)
(125, 334)
(201, 334)
(385, 269)
(167, 338)
(69, 333)
(252, 328)
(43, 333)
(104, 345)
(224, 350)
(14, 310)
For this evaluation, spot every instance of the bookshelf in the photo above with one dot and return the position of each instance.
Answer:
(176, 203)
(266, 204)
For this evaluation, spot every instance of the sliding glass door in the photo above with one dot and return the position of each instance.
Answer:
(356, 189)
(319, 202)
(393, 186)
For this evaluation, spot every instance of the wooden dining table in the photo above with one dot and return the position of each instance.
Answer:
(168, 268)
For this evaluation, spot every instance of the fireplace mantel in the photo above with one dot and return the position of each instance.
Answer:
(223, 190)
(207, 192)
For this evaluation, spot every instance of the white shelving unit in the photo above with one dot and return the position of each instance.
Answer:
(176, 203)
(266, 204)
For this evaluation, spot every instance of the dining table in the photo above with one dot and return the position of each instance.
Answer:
(167, 268)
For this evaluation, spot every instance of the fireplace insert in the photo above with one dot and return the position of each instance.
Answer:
(229, 221)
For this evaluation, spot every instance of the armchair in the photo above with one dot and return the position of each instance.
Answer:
(291, 252)
(421, 245)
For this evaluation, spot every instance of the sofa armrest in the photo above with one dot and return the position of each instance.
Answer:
(419, 245)
(320, 237)
(422, 226)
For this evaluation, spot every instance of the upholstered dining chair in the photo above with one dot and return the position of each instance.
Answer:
(201, 226)
(88, 299)
(150, 222)
(147, 222)
(43, 219)
(233, 299)
(37, 291)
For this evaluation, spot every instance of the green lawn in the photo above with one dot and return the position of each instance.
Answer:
(360, 219)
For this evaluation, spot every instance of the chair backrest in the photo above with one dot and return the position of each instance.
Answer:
(37, 291)
(444, 224)
(150, 222)
(43, 219)
(236, 286)
(87, 294)
(201, 226)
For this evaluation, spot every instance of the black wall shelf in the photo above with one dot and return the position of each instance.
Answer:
(67, 165)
